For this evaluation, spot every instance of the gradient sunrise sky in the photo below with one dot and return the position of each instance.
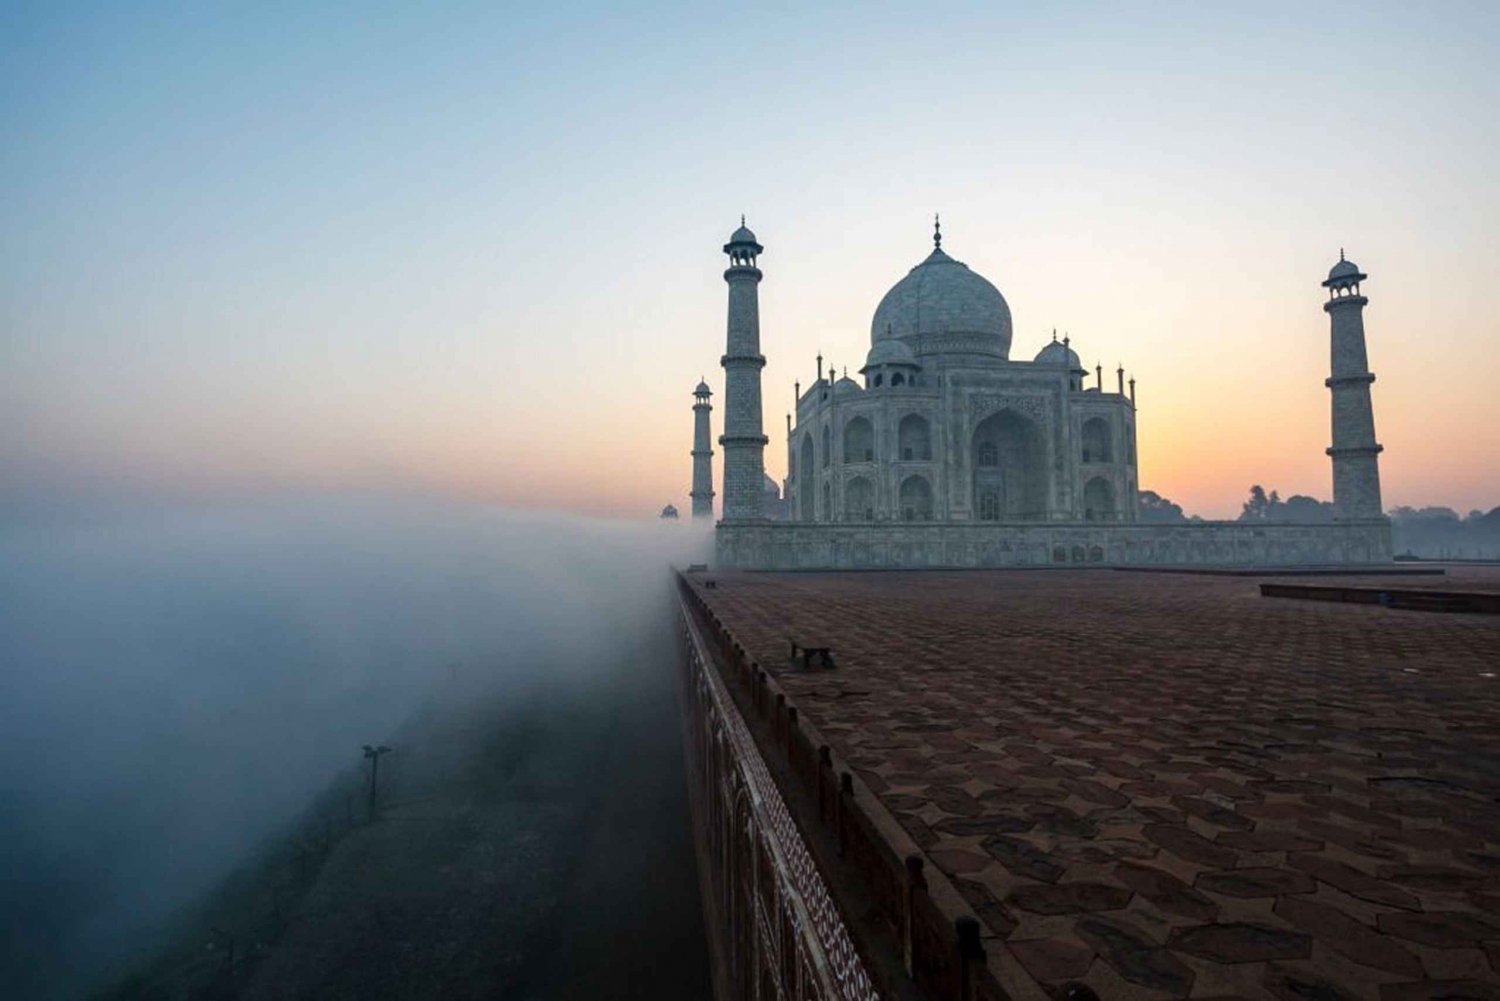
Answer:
(474, 249)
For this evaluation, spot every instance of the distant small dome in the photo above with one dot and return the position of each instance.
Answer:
(742, 235)
(771, 488)
(1052, 354)
(890, 352)
(847, 385)
(703, 390)
(669, 512)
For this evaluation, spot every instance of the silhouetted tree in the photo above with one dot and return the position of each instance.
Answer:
(1156, 508)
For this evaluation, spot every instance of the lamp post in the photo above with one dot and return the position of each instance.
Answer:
(374, 753)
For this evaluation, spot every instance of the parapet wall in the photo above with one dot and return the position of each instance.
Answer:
(769, 545)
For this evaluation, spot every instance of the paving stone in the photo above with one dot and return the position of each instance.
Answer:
(1359, 842)
(1241, 942)
(987, 907)
(994, 823)
(1193, 847)
(1435, 878)
(1166, 891)
(1053, 959)
(1445, 929)
(1213, 813)
(1348, 936)
(1295, 983)
(1440, 990)
(1255, 882)
(1023, 858)
(1095, 792)
(1352, 881)
(1060, 820)
(1268, 841)
(1134, 956)
(1069, 898)
(958, 861)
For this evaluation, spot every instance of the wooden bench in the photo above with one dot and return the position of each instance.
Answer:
(808, 654)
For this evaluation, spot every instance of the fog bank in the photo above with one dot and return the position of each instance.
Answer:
(177, 684)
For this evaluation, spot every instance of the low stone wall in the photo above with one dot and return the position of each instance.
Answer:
(803, 546)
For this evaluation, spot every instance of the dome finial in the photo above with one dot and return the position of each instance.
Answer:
(1054, 335)
(742, 218)
(937, 232)
(1341, 253)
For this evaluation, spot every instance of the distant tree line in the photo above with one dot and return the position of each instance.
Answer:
(1433, 532)
(1439, 532)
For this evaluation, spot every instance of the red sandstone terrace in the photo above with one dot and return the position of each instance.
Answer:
(1157, 785)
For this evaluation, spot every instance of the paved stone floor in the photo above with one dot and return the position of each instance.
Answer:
(1166, 785)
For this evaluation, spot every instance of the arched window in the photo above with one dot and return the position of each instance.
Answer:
(897, 379)
(827, 502)
(1096, 440)
(805, 484)
(878, 377)
(988, 454)
(827, 445)
(916, 499)
(859, 500)
(1098, 500)
(914, 439)
(859, 441)
(989, 506)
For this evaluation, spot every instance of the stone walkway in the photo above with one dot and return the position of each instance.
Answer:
(1165, 785)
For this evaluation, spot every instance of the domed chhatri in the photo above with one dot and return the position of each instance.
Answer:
(1052, 354)
(942, 305)
(889, 351)
(1344, 274)
(743, 238)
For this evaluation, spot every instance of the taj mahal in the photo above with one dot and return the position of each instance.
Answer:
(951, 453)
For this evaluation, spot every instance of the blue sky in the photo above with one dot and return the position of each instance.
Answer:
(473, 249)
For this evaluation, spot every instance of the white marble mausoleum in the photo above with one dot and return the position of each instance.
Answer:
(950, 452)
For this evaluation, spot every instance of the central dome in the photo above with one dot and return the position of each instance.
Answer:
(942, 296)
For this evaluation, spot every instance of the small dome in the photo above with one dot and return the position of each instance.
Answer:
(703, 390)
(890, 352)
(771, 487)
(847, 385)
(1344, 274)
(1343, 269)
(669, 512)
(1052, 354)
(942, 296)
(742, 235)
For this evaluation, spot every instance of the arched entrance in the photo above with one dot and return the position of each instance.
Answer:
(1098, 500)
(916, 499)
(859, 500)
(1010, 469)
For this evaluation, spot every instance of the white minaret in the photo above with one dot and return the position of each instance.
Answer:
(1356, 470)
(703, 454)
(744, 439)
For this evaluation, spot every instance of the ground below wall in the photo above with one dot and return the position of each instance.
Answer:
(793, 545)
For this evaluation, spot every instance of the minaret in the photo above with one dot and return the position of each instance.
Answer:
(703, 454)
(1356, 470)
(744, 438)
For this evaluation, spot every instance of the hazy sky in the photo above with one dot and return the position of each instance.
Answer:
(475, 249)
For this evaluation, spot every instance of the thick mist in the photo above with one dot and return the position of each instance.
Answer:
(179, 684)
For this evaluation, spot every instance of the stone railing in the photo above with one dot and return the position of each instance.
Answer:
(790, 844)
